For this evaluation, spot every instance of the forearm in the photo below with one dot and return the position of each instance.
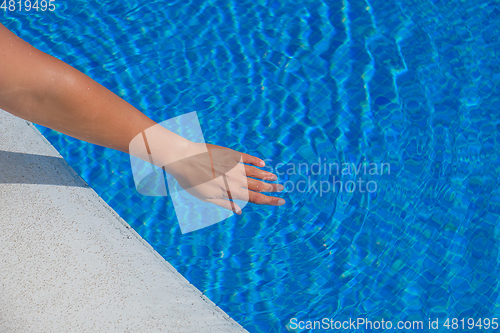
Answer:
(42, 89)
(72, 103)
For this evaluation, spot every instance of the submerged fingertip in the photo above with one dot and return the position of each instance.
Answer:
(262, 163)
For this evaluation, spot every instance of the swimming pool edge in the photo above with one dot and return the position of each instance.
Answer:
(120, 235)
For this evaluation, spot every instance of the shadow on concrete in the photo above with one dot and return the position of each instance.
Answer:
(21, 168)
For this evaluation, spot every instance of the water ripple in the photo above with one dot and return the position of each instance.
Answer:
(412, 84)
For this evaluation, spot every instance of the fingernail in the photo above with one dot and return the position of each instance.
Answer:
(280, 187)
(274, 177)
(281, 202)
(262, 163)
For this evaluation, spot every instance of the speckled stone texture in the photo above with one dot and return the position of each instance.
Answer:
(68, 263)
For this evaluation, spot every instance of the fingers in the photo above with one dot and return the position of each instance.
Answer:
(247, 195)
(261, 199)
(250, 171)
(254, 197)
(229, 205)
(254, 186)
(258, 186)
(249, 159)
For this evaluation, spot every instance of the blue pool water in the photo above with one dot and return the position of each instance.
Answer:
(413, 84)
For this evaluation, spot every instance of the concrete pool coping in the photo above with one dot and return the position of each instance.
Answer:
(68, 262)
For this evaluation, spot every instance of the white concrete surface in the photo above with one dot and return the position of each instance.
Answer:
(69, 263)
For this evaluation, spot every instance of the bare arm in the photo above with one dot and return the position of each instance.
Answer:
(40, 88)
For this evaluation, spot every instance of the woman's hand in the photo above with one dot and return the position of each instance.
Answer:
(217, 175)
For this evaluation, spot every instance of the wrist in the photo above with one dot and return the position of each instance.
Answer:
(182, 150)
(162, 147)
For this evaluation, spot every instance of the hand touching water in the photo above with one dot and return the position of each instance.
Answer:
(217, 175)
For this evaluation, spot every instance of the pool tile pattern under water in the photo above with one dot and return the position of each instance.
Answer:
(414, 84)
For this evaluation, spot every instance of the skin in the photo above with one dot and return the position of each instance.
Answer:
(42, 89)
